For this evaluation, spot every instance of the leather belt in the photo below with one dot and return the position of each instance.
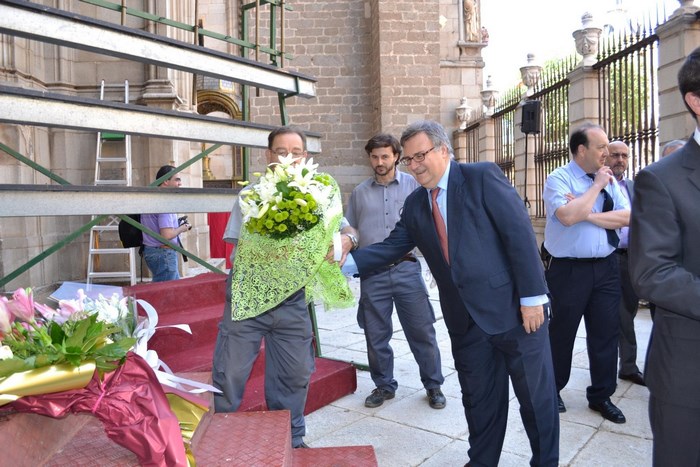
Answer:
(405, 258)
(165, 246)
(581, 260)
(390, 266)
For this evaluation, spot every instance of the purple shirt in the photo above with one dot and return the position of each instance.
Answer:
(155, 222)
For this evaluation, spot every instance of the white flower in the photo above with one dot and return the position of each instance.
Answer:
(110, 310)
(5, 352)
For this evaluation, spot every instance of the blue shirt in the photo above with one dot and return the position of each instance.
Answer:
(583, 239)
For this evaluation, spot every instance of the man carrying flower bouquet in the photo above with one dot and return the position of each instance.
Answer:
(281, 227)
(374, 209)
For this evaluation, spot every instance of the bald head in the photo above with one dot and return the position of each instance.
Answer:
(671, 146)
(618, 158)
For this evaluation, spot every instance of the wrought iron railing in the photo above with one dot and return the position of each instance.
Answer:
(551, 143)
(504, 133)
(628, 90)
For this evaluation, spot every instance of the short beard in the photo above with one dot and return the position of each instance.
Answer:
(387, 171)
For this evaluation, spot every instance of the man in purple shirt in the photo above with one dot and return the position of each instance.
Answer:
(160, 258)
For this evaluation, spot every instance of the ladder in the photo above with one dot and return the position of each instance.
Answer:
(112, 167)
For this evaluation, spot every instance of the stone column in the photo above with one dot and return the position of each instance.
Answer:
(678, 37)
(583, 96)
(487, 140)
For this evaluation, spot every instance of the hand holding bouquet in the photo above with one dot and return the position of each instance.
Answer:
(289, 218)
(288, 199)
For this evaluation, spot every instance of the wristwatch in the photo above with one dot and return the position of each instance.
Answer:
(353, 239)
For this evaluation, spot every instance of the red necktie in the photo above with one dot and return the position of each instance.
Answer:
(440, 225)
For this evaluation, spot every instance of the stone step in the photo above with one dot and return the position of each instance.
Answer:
(189, 293)
(30, 440)
(344, 456)
(263, 439)
(331, 381)
(246, 439)
(90, 446)
(254, 438)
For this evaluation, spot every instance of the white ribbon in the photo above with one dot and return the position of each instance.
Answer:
(337, 246)
(144, 332)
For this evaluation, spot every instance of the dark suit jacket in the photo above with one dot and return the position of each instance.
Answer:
(665, 269)
(493, 253)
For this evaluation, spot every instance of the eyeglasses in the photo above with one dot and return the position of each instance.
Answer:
(619, 155)
(418, 157)
(284, 152)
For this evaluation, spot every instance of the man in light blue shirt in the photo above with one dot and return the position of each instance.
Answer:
(585, 207)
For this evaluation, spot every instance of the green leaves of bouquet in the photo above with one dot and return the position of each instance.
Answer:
(286, 199)
(34, 335)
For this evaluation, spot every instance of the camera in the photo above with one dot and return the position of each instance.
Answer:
(182, 221)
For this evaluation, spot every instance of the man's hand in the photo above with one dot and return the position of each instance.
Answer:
(533, 317)
(347, 246)
(603, 177)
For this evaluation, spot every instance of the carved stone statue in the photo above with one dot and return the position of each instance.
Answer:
(484, 35)
(472, 31)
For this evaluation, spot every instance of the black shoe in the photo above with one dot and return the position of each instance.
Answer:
(636, 378)
(302, 445)
(560, 403)
(608, 410)
(377, 397)
(436, 399)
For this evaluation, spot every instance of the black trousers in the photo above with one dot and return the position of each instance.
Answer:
(588, 289)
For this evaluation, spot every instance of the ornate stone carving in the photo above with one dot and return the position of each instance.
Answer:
(587, 40)
(530, 74)
(488, 97)
(463, 113)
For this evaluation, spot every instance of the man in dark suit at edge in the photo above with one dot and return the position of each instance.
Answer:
(665, 269)
(492, 290)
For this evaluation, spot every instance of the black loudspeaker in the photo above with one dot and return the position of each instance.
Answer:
(531, 117)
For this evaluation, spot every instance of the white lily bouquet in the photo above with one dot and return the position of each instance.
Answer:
(289, 198)
(289, 218)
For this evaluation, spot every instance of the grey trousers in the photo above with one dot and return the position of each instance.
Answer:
(629, 304)
(403, 286)
(289, 358)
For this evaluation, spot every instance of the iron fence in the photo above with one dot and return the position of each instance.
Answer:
(472, 134)
(627, 86)
(552, 142)
(504, 133)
